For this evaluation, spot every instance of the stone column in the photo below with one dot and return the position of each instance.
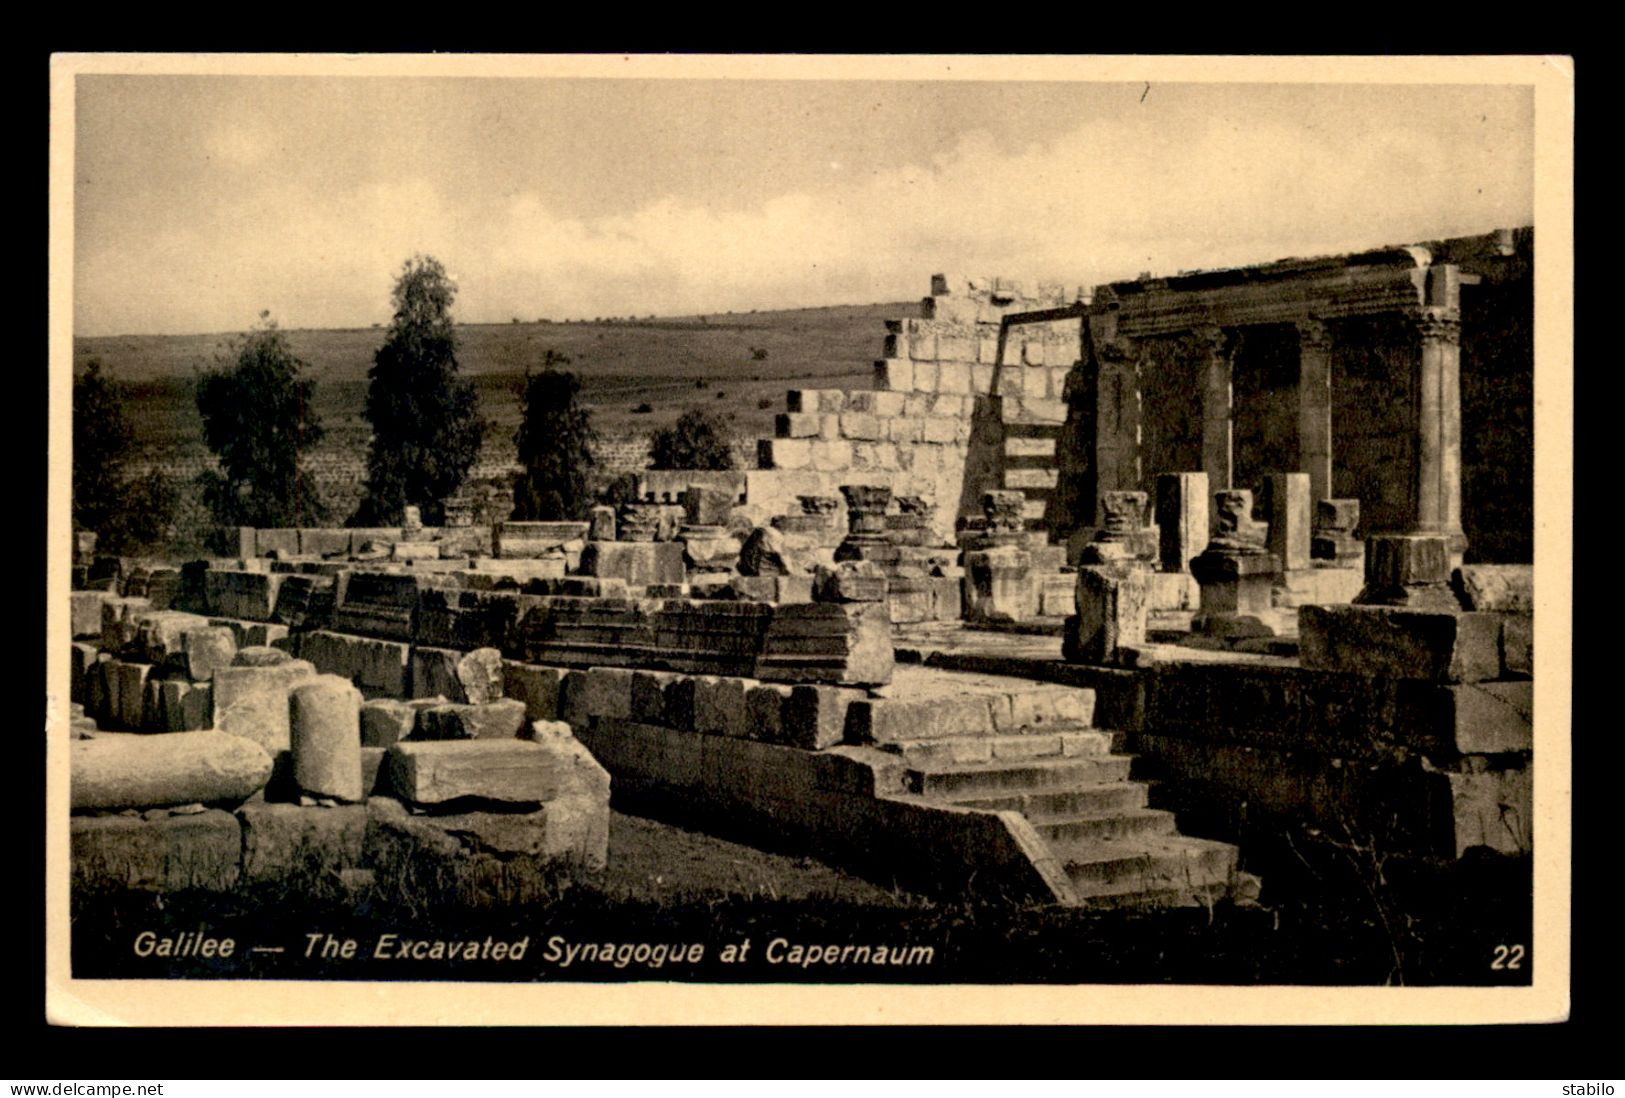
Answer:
(1315, 406)
(1218, 409)
(1438, 452)
(1182, 514)
(866, 537)
(1117, 418)
(1290, 511)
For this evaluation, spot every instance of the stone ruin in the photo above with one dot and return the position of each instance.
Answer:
(729, 641)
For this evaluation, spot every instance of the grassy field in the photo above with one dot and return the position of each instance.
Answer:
(731, 363)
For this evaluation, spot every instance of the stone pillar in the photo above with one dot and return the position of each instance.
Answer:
(1409, 570)
(1113, 604)
(325, 718)
(1315, 406)
(1218, 410)
(1182, 513)
(1438, 452)
(1290, 518)
(601, 524)
(1117, 417)
(866, 537)
(1236, 572)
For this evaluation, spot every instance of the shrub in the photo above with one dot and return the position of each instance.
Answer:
(698, 440)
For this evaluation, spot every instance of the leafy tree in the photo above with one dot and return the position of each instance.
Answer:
(127, 512)
(259, 419)
(698, 440)
(555, 441)
(426, 426)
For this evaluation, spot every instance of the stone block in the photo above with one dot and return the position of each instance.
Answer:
(1181, 515)
(602, 692)
(253, 701)
(513, 771)
(894, 374)
(381, 668)
(119, 621)
(1395, 642)
(82, 660)
(1517, 645)
(1410, 570)
(939, 429)
(815, 400)
(132, 694)
(532, 540)
(473, 677)
(648, 696)
(324, 717)
(306, 602)
(205, 650)
(1290, 511)
(287, 843)
(895, 720)
(1112, 607)
(118, 772)
(248, 595)
(1506, 588)
(259, 655)
(1174, 591)
(637, 563)
(185, 706)
(719, 707)
(324, 542)
(164, 855)
(378, 604)
(840, 643)
(831, 455)
(783, 453)
(999, 585)
(537, 687)
(764, 712)
(788, 425)
(911, 599)
(503, 719)
(814, 717)
(158, 635)
(386, 721)
(85, 616)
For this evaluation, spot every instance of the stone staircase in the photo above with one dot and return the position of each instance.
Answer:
(1072, 784)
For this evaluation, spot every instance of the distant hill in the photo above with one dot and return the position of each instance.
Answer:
(729, 362)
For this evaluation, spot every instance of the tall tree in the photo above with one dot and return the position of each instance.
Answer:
(426, 426)
(259, 419)
(127, 512)
(555, 440)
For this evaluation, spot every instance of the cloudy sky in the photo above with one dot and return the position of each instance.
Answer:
(200, 200)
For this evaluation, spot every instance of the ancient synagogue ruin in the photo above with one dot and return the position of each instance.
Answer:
(1093, 590)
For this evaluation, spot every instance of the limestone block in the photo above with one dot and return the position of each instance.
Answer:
(1290, 514)
(1408, 570)
(951, 404)
(474, 677)
(532, 540)
(999, 585)
(86, 613)
(719, 707)
(516, 771)
(248, 595)
(831, 455)
(1508, 588)
(1395, 642)
(132, 694)
(636, 562)
(1181, 515)
(814, 717)
(1492, 808)
(82, 660)
(954, 376)
(795, 425)
(648, 696)
(895, 374)
(925, 373)
(253, 701)
(907, 428)
(815, 400)
(1113, 602)
(205, 650)
(783, 453)
(893, 720)
(602, 692)
(386, 721)
(119, 624)
(764, 712)
(829, 426)
(378, 667)
(284, 842)
(496, 720)
(306, 602)
(939, 429)
(259, 655)
(764, 554)
(164, 855)
(850, 581)
(842, 643)
(537, 687)
(185, 706)
(117, 772)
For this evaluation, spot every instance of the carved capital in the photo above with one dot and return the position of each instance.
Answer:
(1438, 325)
(1314, 335)
(1214, 341)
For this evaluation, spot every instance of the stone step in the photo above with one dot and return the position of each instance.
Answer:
(1033, 776)
(1029, 743)
(1148, 864)
(1088, 798)
(1039, 447)
(1103, 826)
(1031, 478)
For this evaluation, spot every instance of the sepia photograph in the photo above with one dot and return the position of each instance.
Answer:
(604, 539)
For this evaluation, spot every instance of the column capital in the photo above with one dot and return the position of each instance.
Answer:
(1438, 325)
(1216, 341)
(1314, 334)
